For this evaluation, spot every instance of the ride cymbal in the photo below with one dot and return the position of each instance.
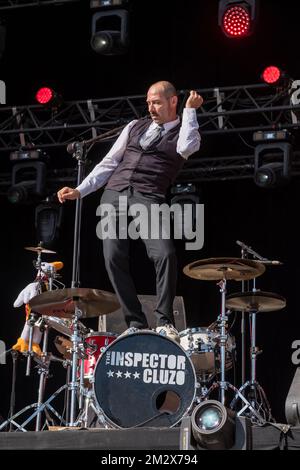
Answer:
(216, 269)
(38, 249)
(258, 301)
(62, 303)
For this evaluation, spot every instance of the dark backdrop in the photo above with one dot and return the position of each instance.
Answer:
(181, 42)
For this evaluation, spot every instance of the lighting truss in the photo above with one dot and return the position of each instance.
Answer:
(226, 110)
(13, 4)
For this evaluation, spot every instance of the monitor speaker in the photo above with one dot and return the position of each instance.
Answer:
(115, 323)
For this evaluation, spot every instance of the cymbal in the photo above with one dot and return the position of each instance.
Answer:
(257, 300)
(215, 269)
(61, 303)
(38, 249)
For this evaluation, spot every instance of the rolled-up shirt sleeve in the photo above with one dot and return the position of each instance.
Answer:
(99, 176)
(189, 139)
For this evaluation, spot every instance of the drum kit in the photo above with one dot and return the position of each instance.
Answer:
(143, 378)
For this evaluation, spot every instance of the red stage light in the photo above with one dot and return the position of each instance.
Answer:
(236, 22)
(271, 75)
(44, 95)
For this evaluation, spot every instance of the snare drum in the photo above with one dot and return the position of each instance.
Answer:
(95, 344)
(62, 325)
(201, 345)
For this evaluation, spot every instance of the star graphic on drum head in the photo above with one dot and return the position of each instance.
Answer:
(127, 375)
(110, 373)
(136, 375)
(119, 374)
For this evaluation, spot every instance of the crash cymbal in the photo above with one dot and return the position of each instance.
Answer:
(215, 269)
(61, 303)
(38, 249)
(257, 300)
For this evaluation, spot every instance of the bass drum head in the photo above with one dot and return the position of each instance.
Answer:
(144, 379)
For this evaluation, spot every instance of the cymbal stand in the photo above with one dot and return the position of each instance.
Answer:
(33, 316)
(38, 408)
(75, 338)
(256, 395)
(44, 373)
(31, 322)
(222, 384)
(89, 402)
(222, 320)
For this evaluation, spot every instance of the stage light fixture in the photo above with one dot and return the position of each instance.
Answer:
(110, 32)
(292, 403)
(272, 164)
(271, 75)
(185, 194)
(107, 3)
(48, 218)
(213, 425)
(2, 39)
(28, 182)
(47, 97)
(237, 18)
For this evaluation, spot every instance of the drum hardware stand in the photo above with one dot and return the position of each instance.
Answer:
(31, 322)
(222, 384)
(89, 403)
(39, 408)
(256, 395)
(44, 373)
(43, 370)
(75, 338)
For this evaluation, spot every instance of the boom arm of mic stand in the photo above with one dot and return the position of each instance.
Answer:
(78, 149)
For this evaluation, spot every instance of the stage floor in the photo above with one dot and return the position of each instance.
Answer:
(268, 437)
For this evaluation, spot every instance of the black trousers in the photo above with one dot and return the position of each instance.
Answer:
(160, 251)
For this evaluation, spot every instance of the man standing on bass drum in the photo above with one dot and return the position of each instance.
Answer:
(141, 165)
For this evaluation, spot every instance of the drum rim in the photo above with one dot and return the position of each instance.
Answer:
(195, 330)
(142, 333)
(101, 333)
(52, 320)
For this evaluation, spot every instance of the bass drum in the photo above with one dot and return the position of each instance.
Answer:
(144, 379)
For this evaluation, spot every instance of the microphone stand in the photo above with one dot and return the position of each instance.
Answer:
(245, 250)
(79, 152)
(243, 330)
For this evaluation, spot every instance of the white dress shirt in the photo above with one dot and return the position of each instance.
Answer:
(188, 142)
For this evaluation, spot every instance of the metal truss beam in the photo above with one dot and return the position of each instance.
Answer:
(226, 110)
(14, 4)
(197, 170)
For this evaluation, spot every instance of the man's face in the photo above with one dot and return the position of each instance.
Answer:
(161, 109)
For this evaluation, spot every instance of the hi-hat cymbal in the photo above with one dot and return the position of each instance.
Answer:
(255, 301)
(215, 269)
(61, 303)
(38, 249)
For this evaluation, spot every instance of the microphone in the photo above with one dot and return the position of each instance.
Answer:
(260, 259)
(74, 146)
(241, 244)
(268, 261)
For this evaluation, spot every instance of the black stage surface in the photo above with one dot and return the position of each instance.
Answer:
(268, 437)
